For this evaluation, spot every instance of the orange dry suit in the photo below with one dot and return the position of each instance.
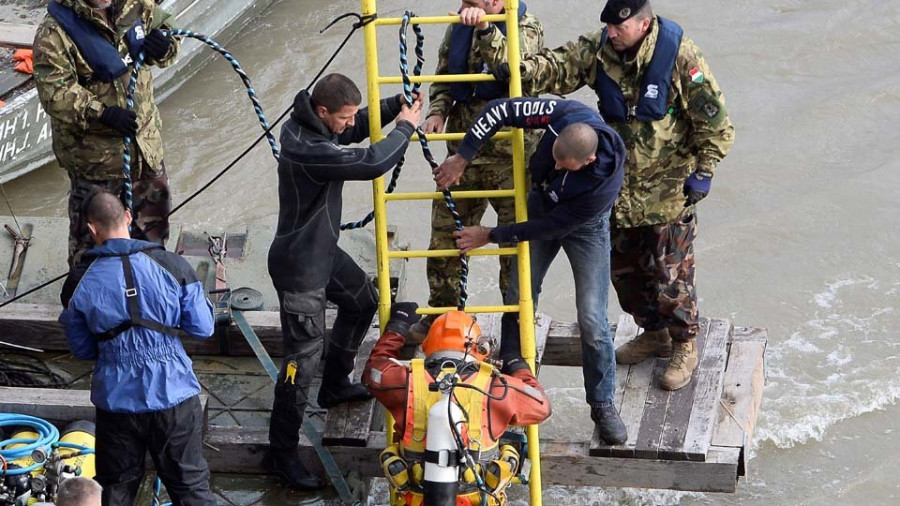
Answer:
(404, 391)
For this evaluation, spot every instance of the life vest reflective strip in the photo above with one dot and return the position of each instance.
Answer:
(458, 63)
(101, 54)
(653, 102)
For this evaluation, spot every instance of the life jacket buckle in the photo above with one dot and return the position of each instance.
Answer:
(630, 112)
(130, 292)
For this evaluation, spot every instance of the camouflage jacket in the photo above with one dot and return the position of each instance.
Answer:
(697, 132)
(460, 115)
(74, 100)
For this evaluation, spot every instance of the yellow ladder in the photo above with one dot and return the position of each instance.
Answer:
(525, 307)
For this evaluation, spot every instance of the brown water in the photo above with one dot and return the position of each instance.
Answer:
(799, 234)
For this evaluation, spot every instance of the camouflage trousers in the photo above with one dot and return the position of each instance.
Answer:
(150, 198)
(653, 274)
(443, 273)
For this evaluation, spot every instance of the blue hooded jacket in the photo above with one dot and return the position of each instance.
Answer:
(140, 370)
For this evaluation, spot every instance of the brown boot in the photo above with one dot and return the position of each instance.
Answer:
(650, 343)
(684, 361)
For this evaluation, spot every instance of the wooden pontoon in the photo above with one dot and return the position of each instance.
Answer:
(694, 439)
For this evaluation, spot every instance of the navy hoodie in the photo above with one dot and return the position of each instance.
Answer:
(569, 198)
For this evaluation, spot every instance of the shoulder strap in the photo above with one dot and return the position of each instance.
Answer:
(134, 310)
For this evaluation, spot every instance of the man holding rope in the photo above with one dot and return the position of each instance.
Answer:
(83, 55)
(305, 262)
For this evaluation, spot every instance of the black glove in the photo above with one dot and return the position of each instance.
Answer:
(403, 316)
(501, 72)
(697, 186)
(156, 45)
(120, 120)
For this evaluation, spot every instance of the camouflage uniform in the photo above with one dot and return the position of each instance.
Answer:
(696, 134)
(492, 169)
(74, 99)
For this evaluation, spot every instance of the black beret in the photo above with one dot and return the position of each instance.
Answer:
(617, 11)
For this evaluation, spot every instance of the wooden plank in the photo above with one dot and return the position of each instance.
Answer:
(48, 403)
(679, 407)
(742, 390)
(240, 450)
(57, 405)
(653, 419)
(709, 379)
(17, 34)
(349, 424)
(636, 385)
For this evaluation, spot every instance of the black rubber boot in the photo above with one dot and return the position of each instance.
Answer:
(336, 386)
(611, 429)
(285, 464)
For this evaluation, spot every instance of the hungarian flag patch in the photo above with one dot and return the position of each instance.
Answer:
(696, 75)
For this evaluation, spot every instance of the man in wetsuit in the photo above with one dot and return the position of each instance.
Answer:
(305, 262)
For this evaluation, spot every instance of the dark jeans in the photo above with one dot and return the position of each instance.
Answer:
(174, 438)
(587, 248)
(303, 331)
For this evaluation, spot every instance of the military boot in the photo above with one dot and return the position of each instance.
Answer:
(681, 366)
(336, 385)
(610, 426)
(650, 343)
(285, 464)
(419, 331)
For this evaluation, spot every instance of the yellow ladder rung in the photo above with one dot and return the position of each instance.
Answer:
(470, 309)
(452, 78)
(434, 20)
(459, 136)
(450, 253)
(471, 194)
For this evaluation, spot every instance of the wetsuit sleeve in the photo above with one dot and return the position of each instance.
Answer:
(81, 341)
(385, 379)
(390, 108)
(327, 162)
(196, 310)
(560, 71)
(525, 402)
(712, 133)
(439, 99)
(531, 113)
(62, 97)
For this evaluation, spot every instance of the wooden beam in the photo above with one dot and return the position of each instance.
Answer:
(56, 405)
(742, 391)
(241, 449)
(36, 325)
(17, 34)
(696, 435)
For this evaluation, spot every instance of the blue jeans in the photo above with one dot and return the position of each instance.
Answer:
(587, 248)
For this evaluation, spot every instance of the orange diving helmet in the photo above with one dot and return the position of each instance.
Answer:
(453, 334)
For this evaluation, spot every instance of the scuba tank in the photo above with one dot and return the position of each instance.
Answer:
(441, 482)
(81, 433)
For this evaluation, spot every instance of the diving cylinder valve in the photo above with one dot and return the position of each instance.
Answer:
(441, 453)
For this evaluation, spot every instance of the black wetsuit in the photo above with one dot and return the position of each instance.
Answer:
(305, 263)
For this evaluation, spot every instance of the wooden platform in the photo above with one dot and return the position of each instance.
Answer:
(694, 439)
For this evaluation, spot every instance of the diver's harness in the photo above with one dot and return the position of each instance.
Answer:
(453, 465)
